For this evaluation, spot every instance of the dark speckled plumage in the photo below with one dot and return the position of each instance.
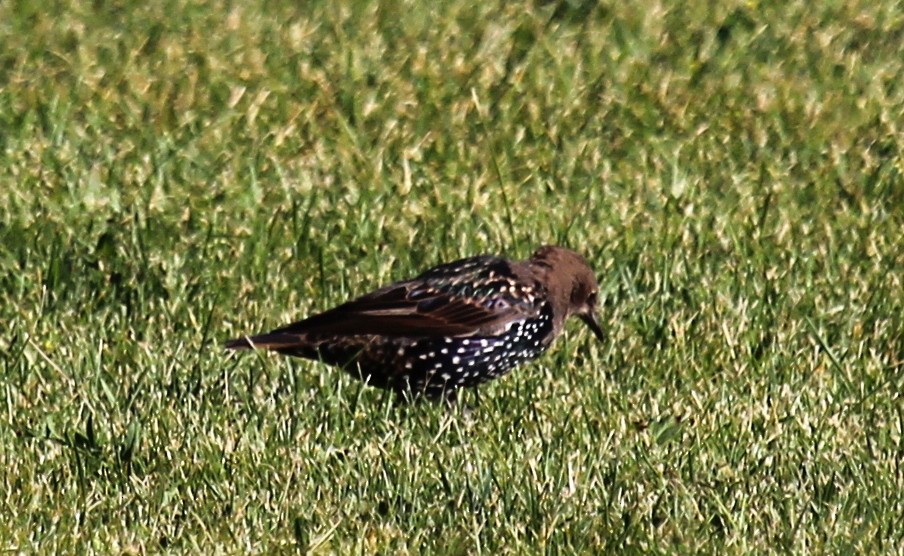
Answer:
(456, 325)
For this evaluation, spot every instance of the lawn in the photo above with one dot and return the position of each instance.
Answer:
(178, 173)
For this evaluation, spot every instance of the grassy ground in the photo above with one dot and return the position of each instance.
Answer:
(178, 173)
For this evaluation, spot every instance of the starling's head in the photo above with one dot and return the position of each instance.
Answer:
(571, 284)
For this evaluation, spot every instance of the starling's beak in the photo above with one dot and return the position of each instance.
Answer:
(591, 319)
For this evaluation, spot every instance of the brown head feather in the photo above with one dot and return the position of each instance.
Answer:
(571, 286)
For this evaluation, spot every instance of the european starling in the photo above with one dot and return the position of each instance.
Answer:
(456, 325)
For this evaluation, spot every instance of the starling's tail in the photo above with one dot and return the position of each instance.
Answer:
(238, 343)
(273, 341)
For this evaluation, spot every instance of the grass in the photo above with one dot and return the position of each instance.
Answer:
(178, 173)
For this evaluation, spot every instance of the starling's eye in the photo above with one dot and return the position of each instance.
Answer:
(591, 299)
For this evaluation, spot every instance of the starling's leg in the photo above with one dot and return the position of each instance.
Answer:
(476, 396)
(446, 395)
(403, 396)
(468, 410)
(450, 396)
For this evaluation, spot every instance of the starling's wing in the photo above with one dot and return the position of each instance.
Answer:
(468, 297)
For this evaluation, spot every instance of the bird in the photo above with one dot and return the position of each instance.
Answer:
(456, 325)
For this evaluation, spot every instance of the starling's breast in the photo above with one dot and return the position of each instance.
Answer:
(433, 365)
